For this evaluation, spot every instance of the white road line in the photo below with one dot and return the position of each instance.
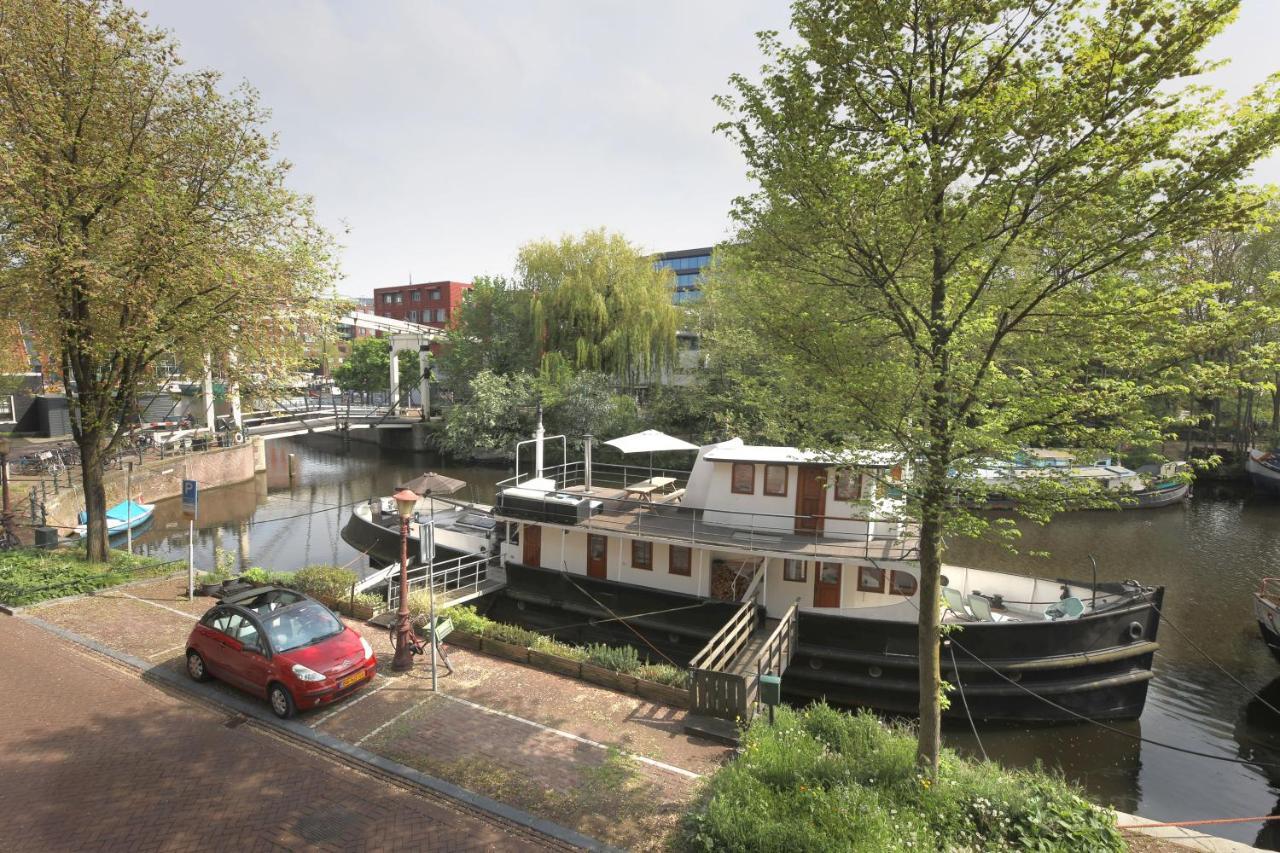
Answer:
(670, 768)
(393, 719)
(342, 706)
(187, 616)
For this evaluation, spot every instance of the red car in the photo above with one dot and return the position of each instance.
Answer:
(282, 645)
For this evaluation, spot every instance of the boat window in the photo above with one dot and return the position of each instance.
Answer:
(744, 478)
(829, 573)
(870, 579)
(775, 480)
(794, 570)
(680, 561)
(902, 583)
(849, 485)
(641, 554)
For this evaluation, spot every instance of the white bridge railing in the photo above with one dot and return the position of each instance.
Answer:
(460, 578)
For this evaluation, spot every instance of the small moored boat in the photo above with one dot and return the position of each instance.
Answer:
(120, 518)
(1263, 467)
(1266, 608)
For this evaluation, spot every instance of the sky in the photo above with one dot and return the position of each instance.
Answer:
(439, 137)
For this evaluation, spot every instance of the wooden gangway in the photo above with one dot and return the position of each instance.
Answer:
(725, 675)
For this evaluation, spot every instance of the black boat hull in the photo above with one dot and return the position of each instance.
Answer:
(1271, 638)
(1097, 666)
(382, 544)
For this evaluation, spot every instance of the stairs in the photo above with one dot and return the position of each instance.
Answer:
(744, 662)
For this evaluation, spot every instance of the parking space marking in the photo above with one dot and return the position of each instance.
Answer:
(412, 707)
(188, 616)
(670, 768)
(324, 718)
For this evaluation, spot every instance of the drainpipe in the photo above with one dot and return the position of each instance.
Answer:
(538, 435)
(586, 460)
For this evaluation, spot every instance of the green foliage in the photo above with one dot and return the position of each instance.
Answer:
(27, 577)
(498, 412)
(491, 332)
(327, 581)
(256, 575)
(822, 779)
(367, 368)
(145, 214)
(954, 247)
(622, 659)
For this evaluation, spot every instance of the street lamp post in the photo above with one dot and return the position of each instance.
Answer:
(4, 486)
(403, 660)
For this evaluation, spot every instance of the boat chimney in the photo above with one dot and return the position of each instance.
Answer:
(538, 435)
(586, 460)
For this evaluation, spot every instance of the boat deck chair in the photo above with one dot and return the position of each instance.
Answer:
(1067, 608)
(981, 608)
(955, 604)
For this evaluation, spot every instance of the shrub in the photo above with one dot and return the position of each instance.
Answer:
(622, 659)
(552, 646)
(256, 575)
(822, 779)
(664, 673)
(29, 576)
(326, 581)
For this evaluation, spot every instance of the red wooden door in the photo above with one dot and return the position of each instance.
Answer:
(811, 498)
(597, 556)
(826, 585)
(532, 545)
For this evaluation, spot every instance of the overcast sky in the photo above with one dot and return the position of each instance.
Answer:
(438, 137)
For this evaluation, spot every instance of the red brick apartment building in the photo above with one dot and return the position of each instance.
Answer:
(431, 304)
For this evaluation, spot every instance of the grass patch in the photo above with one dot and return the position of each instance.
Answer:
(825, 780)
(33, 575)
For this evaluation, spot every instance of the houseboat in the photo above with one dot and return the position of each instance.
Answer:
(776, 559)
(1149, 487)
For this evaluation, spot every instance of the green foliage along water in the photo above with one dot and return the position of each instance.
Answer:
(29, 576)
(825, 780)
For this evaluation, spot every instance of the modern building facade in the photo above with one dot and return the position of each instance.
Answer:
(688, 265)
(431, 304)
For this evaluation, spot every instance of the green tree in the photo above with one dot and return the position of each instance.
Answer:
(367, 369)
(598, 304)
(499, 411)
(492, 332)
(142, 212)
(955, 197)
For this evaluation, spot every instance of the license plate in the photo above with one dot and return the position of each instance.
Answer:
(351, 679)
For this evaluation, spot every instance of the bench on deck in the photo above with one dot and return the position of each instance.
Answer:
(645, 489)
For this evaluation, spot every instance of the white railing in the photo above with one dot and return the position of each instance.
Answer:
(450, 579)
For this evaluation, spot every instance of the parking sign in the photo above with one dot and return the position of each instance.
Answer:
(189, 500)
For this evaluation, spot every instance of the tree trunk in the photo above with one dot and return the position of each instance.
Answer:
(95, 499)
(929, 745)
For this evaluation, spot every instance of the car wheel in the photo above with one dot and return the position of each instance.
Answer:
(196, 668)
(281, 702)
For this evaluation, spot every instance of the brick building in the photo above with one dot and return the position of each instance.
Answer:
(431, 304)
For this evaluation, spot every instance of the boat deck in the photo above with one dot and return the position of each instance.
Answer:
(662, 517)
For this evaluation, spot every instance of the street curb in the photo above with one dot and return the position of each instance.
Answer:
(153, 672)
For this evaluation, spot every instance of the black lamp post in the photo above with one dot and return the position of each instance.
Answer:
(406, 501)
(4, 482)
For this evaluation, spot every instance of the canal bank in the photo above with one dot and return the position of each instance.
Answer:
(1208, 553)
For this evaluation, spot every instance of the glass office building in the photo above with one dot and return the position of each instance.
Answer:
(688, 265)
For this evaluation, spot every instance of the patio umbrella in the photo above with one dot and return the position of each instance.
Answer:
(651, 441)
(433, 484)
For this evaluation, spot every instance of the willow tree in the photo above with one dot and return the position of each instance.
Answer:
(142, 213)
(597, 303)
(955, 201)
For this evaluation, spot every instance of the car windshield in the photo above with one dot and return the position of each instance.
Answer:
(301, 626)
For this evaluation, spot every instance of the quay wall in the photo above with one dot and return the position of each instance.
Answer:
(158, 479)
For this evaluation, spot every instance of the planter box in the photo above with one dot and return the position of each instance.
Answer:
(608, 678)
(356, 610)
(665, 694)
(510, 651)
(465, 640)
(555, 663)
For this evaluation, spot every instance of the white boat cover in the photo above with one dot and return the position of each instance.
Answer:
(650, 441)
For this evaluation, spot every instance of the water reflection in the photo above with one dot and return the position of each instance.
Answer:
(1209, 554)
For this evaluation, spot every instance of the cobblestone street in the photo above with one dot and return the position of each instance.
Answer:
(97, 759)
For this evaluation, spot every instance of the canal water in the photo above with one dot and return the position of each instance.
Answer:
(1208, 553)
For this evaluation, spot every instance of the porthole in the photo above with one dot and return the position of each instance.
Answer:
(520, 605)
(1135, 630)
(1015, 677)
(875, 672)
(815, 663)
(944, 580)
(673, 638)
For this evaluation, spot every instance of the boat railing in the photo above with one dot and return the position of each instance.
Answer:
(609, 475)
(455, 579)
(775, 656)
(1269, 588)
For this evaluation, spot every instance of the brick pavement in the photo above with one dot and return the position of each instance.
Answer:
(96, 759)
